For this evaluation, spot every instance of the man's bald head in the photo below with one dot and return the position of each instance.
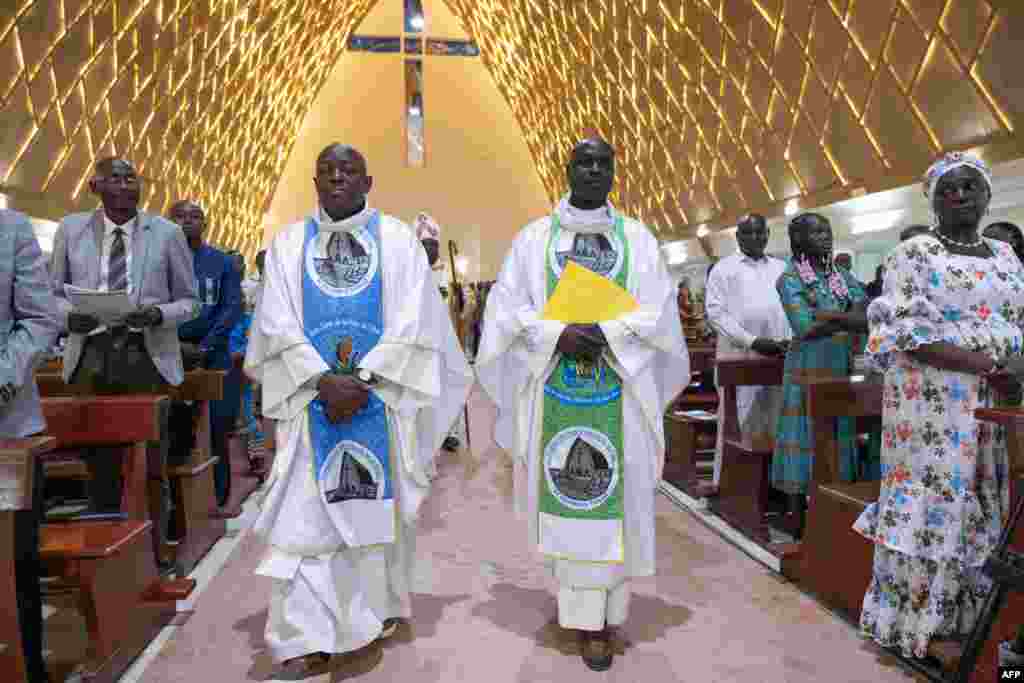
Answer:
(336, 150)
(591, 172)
(341, 181)
(116, 183)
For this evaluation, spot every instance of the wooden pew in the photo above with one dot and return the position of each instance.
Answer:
(17, 475)
(195, 505)
(127, 422)
(195, 499)
(744, 490)
(1010, 617)
(835, 560)
(689, 451)
(111, 565)
(125, 603)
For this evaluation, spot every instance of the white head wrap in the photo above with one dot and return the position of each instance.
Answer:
(946, 164)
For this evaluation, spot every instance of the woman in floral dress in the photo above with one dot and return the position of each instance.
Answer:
(810, 287)
(949, 316)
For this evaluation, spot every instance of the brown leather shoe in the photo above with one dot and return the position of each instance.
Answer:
(389, 627)
(597, 650)
(308, 666)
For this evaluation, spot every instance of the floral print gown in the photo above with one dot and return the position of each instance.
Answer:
(793, 456)
(945, 488)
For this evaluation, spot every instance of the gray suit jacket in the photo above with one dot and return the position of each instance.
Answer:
(29, 323)
(162, 276)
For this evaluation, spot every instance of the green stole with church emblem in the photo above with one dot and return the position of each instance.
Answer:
(582, 471)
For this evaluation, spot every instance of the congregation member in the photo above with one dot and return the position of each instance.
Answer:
(586, 400)
(362, 373)
(428, 232)
(204, 340)
(812, 286)
(744, 309)
(1009, 233)
(238, 343)
(117, 247)
(30, 324)
(945, 328)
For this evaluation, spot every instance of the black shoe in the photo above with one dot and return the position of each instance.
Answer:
(597, 650)
(450, 444)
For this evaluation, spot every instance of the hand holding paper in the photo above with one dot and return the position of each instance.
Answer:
(109, 308)
(583, 296)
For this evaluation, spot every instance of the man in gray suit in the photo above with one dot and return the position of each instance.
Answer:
(28, 328)
(118, 247)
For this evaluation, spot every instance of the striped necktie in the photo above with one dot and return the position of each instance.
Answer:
(117, 275)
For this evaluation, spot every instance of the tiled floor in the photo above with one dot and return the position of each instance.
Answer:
(484, 611)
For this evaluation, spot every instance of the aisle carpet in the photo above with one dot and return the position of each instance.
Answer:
(484, 611)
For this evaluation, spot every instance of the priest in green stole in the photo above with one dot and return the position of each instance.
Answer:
(360, 368)
(580, 406)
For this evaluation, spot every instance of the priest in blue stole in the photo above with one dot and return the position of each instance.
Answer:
(361, 370)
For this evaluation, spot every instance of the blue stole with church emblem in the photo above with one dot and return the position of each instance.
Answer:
(343, 317)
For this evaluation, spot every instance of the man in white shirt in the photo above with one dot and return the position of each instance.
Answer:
(744, 308)
(360, 369)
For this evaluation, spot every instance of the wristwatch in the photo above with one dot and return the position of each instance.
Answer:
(366, 377)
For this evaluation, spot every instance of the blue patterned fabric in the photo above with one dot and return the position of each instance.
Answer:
(343, 319)
(825, 357)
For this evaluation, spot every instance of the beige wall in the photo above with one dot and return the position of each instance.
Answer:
(479, 181)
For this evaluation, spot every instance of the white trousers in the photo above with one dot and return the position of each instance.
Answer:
(337, 603)
(591, 596)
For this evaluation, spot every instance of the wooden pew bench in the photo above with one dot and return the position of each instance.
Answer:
(836, 560)
(192, 481)
(745, 498)
(111, 569)
(689, 452)
(17, 484)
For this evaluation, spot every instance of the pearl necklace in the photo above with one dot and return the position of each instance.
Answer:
(966, 245)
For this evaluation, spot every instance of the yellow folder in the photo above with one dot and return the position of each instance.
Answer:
(583, 296)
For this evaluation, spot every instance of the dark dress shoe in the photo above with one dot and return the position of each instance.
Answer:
(597, 650)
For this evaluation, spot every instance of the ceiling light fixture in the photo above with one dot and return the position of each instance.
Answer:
(876, 222)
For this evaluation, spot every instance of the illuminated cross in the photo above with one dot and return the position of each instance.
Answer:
(414, 45)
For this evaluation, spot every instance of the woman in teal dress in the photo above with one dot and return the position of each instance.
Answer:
(810, 286)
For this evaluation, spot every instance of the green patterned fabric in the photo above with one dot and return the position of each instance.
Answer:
(582, 467)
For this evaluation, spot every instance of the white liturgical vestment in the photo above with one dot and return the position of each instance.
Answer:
(328, 596)
(647, 350)
(743, 304)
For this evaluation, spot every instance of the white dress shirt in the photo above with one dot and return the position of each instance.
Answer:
(108, 244)
(742, 302)
(742, 305)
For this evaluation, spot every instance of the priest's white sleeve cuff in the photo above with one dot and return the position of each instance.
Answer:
(626, 345)
(541, 338)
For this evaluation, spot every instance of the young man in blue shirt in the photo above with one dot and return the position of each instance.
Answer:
(205, 339)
